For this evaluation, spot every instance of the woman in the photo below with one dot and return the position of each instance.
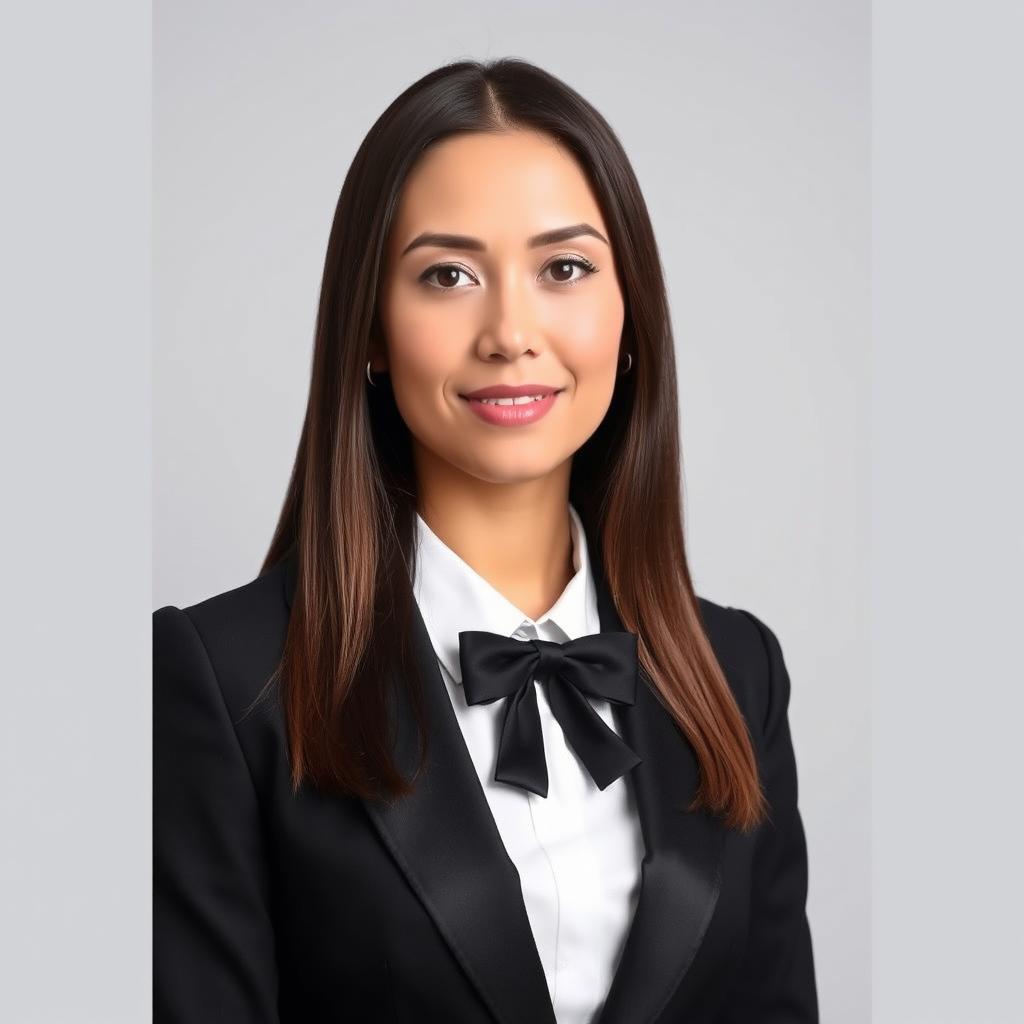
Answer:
(470, 748)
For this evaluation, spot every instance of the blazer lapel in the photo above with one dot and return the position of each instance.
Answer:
(444, 839)
(680, 873)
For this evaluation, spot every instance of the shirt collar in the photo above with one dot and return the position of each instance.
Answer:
(452, 596)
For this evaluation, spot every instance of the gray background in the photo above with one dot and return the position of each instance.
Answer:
(748, 129)
(858, 486)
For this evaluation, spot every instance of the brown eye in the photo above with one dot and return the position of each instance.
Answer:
(562, 269)
(447, 276)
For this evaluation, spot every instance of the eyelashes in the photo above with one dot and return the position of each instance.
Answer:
(559, 261)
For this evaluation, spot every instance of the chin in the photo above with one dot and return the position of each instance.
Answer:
(519, 473)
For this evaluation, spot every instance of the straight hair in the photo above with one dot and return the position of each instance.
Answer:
(349, 511)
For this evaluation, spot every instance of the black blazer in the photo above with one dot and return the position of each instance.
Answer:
(273, 907)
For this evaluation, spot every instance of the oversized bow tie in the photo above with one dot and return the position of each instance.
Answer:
(600, 665)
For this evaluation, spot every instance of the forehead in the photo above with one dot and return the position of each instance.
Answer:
(498, 185)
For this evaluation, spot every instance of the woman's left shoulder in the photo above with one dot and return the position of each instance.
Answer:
(750, 656)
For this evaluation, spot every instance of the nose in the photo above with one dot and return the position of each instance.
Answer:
(510, 326)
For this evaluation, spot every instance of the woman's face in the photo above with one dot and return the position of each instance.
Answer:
(500, 305)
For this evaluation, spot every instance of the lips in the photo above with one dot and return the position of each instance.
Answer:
(512, 414)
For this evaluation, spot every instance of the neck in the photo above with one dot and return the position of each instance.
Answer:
(516, 536)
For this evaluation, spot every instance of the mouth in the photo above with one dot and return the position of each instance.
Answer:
(514, 410)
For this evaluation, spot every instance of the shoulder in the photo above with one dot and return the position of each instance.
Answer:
(239, 634)
(749, 655)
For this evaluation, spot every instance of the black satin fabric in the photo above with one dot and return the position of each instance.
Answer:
(271, 907)
(602, 665)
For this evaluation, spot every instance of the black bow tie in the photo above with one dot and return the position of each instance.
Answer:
(599, 665)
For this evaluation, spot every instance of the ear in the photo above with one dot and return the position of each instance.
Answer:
(378, 350)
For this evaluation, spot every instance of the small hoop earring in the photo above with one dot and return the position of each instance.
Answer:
(629, 364)
(368, 377)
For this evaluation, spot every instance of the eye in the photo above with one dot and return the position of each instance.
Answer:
(561, 264)
(449, 273)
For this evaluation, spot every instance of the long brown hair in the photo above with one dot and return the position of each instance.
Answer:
(350, 507)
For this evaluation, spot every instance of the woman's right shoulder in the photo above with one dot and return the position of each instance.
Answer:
(237, 636)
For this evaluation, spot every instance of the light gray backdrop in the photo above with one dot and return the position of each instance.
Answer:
(748, 128)
(756, 182)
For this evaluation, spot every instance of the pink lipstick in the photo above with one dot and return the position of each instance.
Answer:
(512, 405)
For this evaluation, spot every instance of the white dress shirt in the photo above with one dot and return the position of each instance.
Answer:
(578, 850)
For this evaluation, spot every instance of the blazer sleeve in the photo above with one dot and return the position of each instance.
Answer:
(213, 940)
(776, 983)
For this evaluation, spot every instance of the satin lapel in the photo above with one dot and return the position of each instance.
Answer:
(680, 872)
(444, 839)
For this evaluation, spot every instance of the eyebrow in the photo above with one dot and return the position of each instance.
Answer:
(448, 241)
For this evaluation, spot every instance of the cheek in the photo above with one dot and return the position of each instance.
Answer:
(591, 351)
(421, 356)
(591, 331)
